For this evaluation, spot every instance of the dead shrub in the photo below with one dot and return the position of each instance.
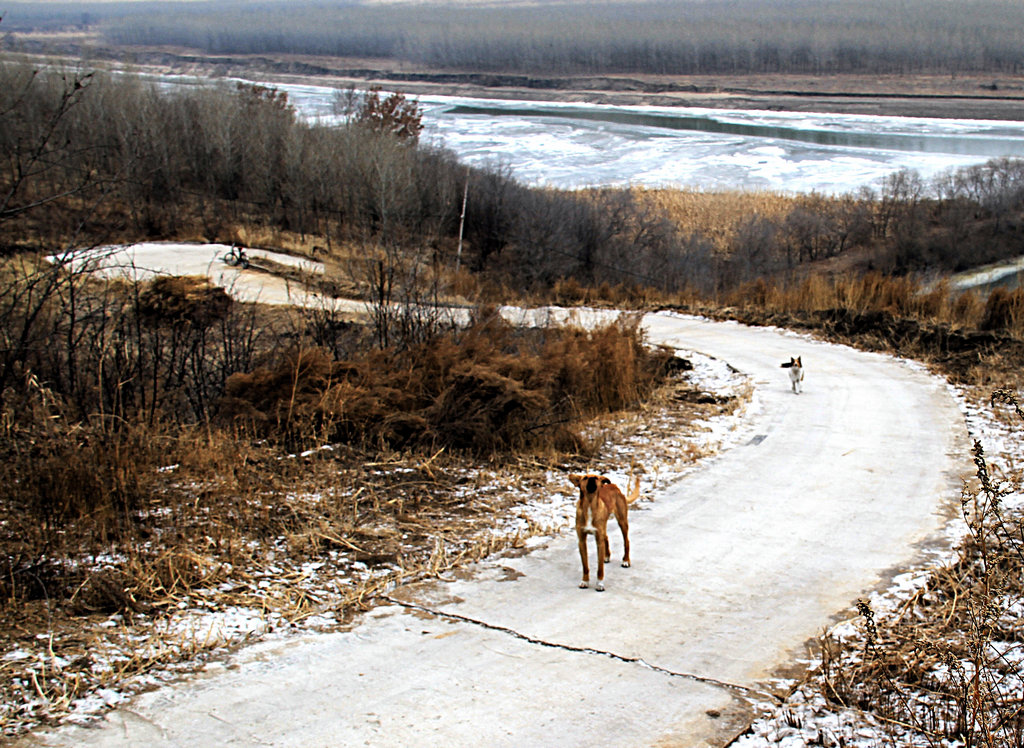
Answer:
(103, 591)
(71, 488)
(603, 370)
(485, 408)
(1003, 310)
(947, 663)
(934, 305)
(59, 471)
(872, 293)
(486, 389)
(184, 299)
(290, 398)
(967, 309)
(158, 578)
(569, 291)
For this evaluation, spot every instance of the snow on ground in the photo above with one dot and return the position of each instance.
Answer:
(829, 384)
(149, 259)
(806, 717)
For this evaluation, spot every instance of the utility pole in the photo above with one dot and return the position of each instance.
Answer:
(462, 223)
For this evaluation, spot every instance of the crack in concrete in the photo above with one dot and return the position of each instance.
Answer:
(744, 690)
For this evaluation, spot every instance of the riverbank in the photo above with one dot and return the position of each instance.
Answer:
(971, 96)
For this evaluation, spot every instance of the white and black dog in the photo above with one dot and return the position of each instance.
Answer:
(796, 373)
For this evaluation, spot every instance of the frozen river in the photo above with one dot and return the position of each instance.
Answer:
(572, 146)
(581, 145)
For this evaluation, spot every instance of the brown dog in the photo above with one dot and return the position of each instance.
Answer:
(599, 499)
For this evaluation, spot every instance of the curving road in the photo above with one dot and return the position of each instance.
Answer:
(735, 568)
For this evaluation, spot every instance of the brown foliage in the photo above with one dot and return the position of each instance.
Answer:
(184, 299)
(719, 216)
(946, 663)
(493, 388)
(391, 115)
(58, 471)
(1004, 310)
(966, 340)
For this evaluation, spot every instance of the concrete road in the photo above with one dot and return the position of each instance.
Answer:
(734, 569)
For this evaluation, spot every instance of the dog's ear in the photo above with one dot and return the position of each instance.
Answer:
(799, 362)
(576, 480)
(605, 480)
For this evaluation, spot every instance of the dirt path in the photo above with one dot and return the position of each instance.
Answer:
(735, 568)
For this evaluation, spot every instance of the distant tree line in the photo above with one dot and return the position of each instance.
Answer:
(652, 36)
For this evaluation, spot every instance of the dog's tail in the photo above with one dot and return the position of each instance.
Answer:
(634, 492)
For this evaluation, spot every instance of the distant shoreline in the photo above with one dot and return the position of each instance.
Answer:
(960, 97)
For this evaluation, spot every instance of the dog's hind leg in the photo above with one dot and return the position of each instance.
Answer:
(601, 539)
(624, 527)
(583, 557)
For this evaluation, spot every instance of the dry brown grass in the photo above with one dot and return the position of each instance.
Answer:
(59, 472)
(489, 389)
(225, 515)
(870, 292)
(235, 524)
(570, 292)
(900, 296)
(183, 299)
(717, 215)
(1004, 310)
(960, 335)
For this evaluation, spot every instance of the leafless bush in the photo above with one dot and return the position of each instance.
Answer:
(59, 471)
(1004, 310)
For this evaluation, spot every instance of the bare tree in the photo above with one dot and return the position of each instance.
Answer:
(37, 147)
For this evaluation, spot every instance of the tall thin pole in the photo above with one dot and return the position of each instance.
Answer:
(462, 223)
